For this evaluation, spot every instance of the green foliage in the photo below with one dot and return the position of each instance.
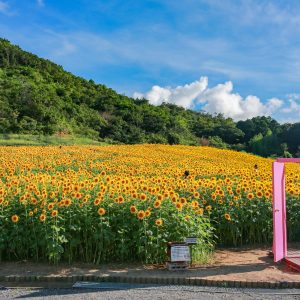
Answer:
(257, 125)
(217, 142)
(292, 137)
(42, 140)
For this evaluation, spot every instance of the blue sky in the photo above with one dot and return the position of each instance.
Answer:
(240, 58)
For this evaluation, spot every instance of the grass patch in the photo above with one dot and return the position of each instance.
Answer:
(201, 255)
(43, 140)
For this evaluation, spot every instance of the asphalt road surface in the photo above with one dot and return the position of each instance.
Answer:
(151, 292)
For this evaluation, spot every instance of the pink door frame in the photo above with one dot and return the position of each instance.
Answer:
(279, 208)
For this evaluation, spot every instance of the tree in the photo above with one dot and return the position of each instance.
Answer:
(292, 137)
(256, 125)
(217, 142)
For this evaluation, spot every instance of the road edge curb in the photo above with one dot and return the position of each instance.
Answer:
(166, 280)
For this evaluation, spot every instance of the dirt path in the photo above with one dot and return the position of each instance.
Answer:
(227, 264)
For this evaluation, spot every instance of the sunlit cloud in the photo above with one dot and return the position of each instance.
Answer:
(218, 99)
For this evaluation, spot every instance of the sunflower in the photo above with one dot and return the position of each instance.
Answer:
(157, 204)
(200, 211)
(147, 212)
(54, 213)
(33, 201)
(141, 215)
(50, 205)
(133, 209)
(250, 196)
(267, 194)
(179, 206)
(259, 194)
(119, 199)
(208, 207)
(101, 211)
(227, 217)
(68, 202)
(174, 199)
(183, 200)
(42, 217)
(143, 197)
(159, 222)
(195, 203)
(15, 218)
(61, 203)
(96, 201)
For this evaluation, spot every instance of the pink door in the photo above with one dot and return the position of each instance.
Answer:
(279, 212)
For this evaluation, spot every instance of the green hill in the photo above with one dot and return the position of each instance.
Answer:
(38, 97)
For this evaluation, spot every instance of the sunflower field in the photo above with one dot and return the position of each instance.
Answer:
(125, 202)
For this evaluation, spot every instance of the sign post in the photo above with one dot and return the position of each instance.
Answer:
(192, 240)
(179, 256)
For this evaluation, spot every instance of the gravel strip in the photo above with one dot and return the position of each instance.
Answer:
(150, 292)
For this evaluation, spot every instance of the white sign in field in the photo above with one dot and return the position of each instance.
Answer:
(180, 253)
(191, 240)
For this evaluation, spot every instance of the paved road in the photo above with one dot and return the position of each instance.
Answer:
(149, 292)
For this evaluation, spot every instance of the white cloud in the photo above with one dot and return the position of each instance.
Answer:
(293, 108)
(257, 12)
(221, 99)
(273, 104)
(230, 71)
(293, 96)
(4, 8)
(184, 96)
(218, 99)
(290, 113)
(65, 48)
(40, 2)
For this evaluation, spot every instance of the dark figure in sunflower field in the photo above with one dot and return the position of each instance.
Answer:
(186, 173)
(256, 167)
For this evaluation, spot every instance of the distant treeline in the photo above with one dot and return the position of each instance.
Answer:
(39, 97)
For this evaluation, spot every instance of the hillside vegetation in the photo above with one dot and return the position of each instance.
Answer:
(39, 97)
